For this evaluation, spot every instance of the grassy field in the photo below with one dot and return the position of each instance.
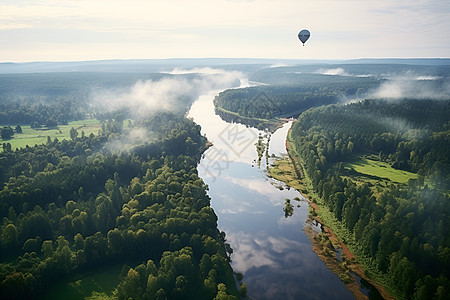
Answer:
(31, 136)
(282, 169)
(378, 170)
(81, 286)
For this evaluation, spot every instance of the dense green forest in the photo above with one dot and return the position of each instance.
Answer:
(75, 205)
(289, 91)
(400, 229)
(290, 96)
(268, 103)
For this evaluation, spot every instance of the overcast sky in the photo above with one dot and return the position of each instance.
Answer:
(61, 30)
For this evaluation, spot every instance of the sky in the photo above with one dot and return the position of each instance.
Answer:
(76, 30)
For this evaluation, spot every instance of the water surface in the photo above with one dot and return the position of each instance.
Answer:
(271, 250)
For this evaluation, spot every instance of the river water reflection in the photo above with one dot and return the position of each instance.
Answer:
(271, 251)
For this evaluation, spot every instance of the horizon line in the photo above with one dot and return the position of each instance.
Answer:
(222, 58)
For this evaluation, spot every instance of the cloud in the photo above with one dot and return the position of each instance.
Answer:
(13, 25)
(337, 71)
(263, 188)
(209, 71)
(171, 93)
(238, 1)
(414, 86)
(233, 28)
(174, 93)
(125, 142)
(278, 65)
(147, 96)
(252, 251)
(428, 77)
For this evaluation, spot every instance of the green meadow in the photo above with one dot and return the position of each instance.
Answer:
(379, 170)
(96, 284)
(35, 136)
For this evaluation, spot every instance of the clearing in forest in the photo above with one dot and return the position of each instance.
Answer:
(376, 169)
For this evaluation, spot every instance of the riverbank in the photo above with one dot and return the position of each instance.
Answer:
(326, 244)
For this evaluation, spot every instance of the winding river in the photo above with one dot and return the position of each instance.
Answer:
(270, 250)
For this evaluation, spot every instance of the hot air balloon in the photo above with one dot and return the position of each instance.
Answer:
(303, 36)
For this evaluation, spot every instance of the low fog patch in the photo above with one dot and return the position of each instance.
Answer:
(333, 72)
(172, 93)
(130, 138)
(278, 65)
(340, 72)
(413, 86)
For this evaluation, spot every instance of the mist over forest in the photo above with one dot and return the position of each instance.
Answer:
(99, 168)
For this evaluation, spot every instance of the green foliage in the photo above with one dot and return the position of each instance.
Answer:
(77, 204)
(288, 208)
(396, 227)
(73, 133)
(270, 102)
(177, 277)
(6, 132)
(243, 290)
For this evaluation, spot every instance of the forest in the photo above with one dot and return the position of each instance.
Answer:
(401, 229)
(74, 205)
(289, 91)
(65, 208)
(289, 94)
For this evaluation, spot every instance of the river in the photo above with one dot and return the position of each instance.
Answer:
(270, 250)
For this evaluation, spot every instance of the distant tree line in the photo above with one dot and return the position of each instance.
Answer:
(314, 81)
(37, 115)
(289, 93)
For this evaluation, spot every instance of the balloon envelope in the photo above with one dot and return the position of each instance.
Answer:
(303, 36)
